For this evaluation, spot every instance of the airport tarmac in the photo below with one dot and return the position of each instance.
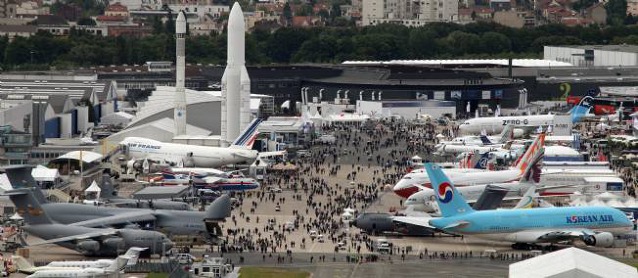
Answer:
(293, 204)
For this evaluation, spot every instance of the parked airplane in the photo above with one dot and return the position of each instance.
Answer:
(457, 149)
(191, 155)
(112, 269)
(497, 124)
(110, 197)
(211, 182)
(482, 140)
(406, 186)
(88, 241)
(595, 226)
(171, 222)
(23, 266)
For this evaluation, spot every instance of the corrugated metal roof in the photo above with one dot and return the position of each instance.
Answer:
(500, 62)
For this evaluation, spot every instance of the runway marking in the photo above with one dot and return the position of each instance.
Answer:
(354, 270)
(312, 248)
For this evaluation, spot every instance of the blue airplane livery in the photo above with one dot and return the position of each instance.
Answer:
(595, 226)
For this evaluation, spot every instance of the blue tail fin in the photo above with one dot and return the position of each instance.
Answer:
(579, 111)
(485, 140)
(247, 138)
(482, 162)
(450, 201)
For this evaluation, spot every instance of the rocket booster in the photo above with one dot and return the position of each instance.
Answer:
(180, 69)
(235, 81)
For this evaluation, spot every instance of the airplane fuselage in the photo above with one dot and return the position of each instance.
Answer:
(172, 222)
(405, 187)
(496, 124)
(520, 224)
(192, 155)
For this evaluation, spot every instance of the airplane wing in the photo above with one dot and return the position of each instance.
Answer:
(120, 219)
(414, 220)
(77, 237)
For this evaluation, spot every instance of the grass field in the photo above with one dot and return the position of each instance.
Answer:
(267, 272)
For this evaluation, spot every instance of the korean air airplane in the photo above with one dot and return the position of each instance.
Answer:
(194, 156)
(595, 226)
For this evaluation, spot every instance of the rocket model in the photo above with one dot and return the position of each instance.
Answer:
(236, 114)
(180, 68)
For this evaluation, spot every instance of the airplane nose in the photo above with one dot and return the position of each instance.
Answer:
(168, 244)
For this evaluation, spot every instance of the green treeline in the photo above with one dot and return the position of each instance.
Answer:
(327, 44)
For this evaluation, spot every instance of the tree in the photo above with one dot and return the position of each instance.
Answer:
(421, 43)
(494, 43)
(287, 13)
(86, 21)
(616, 11)
(463, 43)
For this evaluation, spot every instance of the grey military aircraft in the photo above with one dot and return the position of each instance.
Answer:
(88, 241)
(170, 222)
(109, 195)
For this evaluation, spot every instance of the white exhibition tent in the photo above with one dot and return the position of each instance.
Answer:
(44, 174)
(94, 188)
(117, 118)
(571, 262)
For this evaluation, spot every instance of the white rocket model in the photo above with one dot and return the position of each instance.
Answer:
(236, 114)
(180, 68)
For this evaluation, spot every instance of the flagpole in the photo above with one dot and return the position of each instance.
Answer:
(81, 170)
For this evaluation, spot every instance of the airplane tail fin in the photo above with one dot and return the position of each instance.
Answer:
(527, 200)
(486, 141)
(28, 206)
(133, 254)
(507, 134)
(581, 109)
(483, 160)
(118, 264)
(21, 263)
(219, 209)
(450, 201)
(248, 136)
(530, 156)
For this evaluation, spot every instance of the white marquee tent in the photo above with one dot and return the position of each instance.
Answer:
(571, 262)
(44, 174)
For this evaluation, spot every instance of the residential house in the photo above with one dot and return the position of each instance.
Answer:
(597, 13)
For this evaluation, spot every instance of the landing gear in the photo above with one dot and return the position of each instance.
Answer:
(525, 246)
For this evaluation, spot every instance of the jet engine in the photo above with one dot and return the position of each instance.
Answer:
(604, 239)
(88, 246)
(116, 243)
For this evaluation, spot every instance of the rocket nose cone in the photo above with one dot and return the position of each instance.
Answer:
(180, 17)
(236, 12)
(180, 23)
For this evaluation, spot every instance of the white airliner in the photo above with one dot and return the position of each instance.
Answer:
(496, 124)
(194, 156)
(458, 149)
(406, 186)
(115, 266)
(24, 266)
(482, 140)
